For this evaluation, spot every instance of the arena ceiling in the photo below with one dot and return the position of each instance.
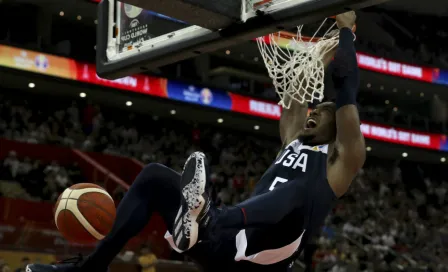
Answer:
(87, 9)
(429, 7)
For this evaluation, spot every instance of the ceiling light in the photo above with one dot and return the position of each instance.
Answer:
(128, 103)
(82, 95)
(395, 109)
(387, 102)
(31, 85)
(381, 87)
(173, 112)
(408, 92)
(227, 52)
(96, 21)
(79, 17)
(368, 148)
(256, 127)
(369, 85)
(394, 90)
(61, 13)
(404, 154)
(443, 159)
(220, 120)
(422, 94)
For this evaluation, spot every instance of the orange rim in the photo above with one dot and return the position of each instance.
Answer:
(290, 36)
(309, 38)
(261, 3)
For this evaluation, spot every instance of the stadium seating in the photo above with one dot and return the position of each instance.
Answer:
(350, 239)
(394, 218)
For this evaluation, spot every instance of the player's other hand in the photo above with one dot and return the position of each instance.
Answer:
(347, 19)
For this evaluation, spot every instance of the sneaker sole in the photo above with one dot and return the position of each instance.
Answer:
(193, 184)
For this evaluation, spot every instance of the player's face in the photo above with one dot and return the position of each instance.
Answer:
(320, 125)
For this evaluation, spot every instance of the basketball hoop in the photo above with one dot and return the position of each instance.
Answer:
(294, 60)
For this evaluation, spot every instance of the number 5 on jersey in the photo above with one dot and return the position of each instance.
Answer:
(277, 180)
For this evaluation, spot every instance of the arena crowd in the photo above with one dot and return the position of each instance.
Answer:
(395, 216)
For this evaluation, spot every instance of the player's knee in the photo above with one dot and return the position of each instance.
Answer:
(153, 167)
(150, 175)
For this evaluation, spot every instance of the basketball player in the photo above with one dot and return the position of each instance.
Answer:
(321, 154)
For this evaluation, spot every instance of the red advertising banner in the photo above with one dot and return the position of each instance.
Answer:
(70, 69)
(255, 107)
(378, 64)
(394, 68)
(155, 86)
(401, 136)
(250, 106)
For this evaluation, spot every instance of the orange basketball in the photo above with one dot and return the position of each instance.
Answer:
(84, 213)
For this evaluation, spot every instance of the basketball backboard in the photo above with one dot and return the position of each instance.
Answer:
(136, 35)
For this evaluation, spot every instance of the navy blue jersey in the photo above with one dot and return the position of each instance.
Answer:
(300, 174)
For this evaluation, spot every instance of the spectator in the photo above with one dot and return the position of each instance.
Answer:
(24, 167)
(25, 262)
(61, 179)
(52, 168)
(2, 264)
(224, 196)
(73, 113)
(147, 259)
(11, 164)
(390, 216)
(50, 191)
(89, 114)
(74, 173)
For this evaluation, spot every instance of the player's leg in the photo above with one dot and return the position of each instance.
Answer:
(156, 188)
(266, 209)
(197, 214)
(194, 201)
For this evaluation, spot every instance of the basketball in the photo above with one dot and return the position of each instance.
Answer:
(84, 213)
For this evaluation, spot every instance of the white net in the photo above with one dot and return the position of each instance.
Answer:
(295, 62)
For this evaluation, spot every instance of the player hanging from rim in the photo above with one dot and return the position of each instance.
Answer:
(321, 154)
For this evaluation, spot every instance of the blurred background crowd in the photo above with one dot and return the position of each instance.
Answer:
(416, 38)
(395, 215)
(394, 218)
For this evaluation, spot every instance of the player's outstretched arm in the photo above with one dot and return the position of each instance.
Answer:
(349, 150)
